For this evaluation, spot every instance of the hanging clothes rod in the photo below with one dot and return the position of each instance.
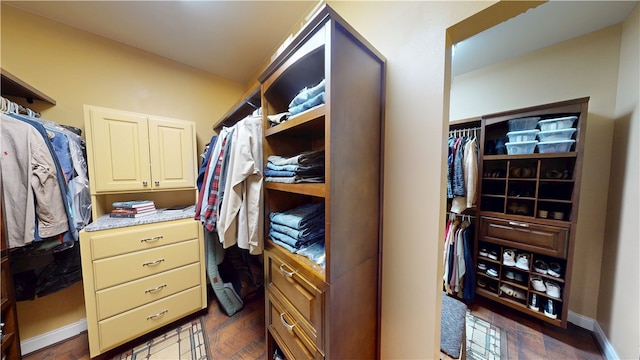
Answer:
(465, 132)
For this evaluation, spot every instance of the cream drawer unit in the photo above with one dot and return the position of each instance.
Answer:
(125, 240)
(151, 288)
(124, 268)
(542, 239)
(128, 326)
(154, 270)
(286, 330)
(287, 281)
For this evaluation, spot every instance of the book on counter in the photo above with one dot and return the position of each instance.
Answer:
(134, 204)
(129, 215)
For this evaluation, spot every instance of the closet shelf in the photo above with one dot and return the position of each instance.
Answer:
(310, 121)
(304, 189)
(12, 86)
(249, 101)
(531, 156)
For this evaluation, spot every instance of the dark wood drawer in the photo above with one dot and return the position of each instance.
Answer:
(306, 299)
(291, 338)
(538, 238)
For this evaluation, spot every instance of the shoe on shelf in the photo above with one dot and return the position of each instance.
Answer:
(540, 266)
(522, 261)
(493, 255)
(519, 294)
(492, 272)
(550, 309)
(534, 303)
(518, 277)
(538, 284)
(553, 289)
(554, 270)
(506, 289)
(508, 257)
(493, 286)
(509, 275)
(482, 283)
(483, 252)
(482, 266)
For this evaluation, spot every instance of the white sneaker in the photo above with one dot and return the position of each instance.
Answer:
(483, 252)
(534, 303)
(538, 284)
(509, 275)
(508, 257)
(553, 289)
(522, 261)
(492, 272)
(493, 255)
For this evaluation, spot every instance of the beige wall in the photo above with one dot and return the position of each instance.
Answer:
(77, 68)
(619, 299)
(585, 66)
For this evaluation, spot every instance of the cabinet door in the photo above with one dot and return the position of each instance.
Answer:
(120, 151)
(172, 151)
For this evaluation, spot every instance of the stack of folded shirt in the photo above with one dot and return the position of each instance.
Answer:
(307, 98)
(305, 167)
(299, 227)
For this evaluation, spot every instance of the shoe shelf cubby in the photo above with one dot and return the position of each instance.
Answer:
(513, 284)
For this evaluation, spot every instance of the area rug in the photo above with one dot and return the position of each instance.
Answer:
(484, 340)
(186, 341)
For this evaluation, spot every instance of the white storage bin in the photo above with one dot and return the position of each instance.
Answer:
(556, 135)
(522, 136)
(526, 147)
(555, 146)
(525, 123)
(557, 123)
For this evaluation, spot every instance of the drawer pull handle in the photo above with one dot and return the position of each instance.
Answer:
(154, 262)
(157, 183)
(155, 289)
(285, 272)
(152, 239)
(285, 323)
(513, 223)
(152, 317)
(145, 183)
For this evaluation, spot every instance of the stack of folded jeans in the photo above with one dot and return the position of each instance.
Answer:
(297, 228)
(305, 167)
(307, 98)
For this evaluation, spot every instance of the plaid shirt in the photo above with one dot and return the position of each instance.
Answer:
(211, 213)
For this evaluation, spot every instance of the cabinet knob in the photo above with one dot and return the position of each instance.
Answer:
(145, 183)
(157, 183)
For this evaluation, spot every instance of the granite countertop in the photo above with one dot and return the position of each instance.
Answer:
(106, 222)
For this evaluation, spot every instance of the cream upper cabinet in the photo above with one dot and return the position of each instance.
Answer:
(137, 152)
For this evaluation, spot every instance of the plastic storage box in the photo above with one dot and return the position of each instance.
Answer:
(557, 123)
(521, 136)
(555, 146)
(525, 147)
(525, 123)
(556, 135)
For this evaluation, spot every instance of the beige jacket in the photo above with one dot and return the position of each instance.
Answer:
(29, 184)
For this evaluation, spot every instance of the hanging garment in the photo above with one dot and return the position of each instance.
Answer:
(30, 184)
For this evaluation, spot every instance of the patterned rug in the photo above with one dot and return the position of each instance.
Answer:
(186, 341)
(485, 341)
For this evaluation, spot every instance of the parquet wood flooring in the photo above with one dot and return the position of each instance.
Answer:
(242, 336)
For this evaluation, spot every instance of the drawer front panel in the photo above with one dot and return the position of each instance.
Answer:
(299, 291)
(120, 241)
(120, 269)
(127, 326)
(287, 332)
(120, 298)
(542, 239)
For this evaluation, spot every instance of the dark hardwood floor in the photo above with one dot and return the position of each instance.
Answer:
(242, 336)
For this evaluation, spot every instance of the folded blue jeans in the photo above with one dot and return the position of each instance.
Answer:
(300, 216)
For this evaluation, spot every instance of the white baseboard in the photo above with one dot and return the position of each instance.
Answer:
(593, 326)
(581, 320)
(607, 348)
(60, 334)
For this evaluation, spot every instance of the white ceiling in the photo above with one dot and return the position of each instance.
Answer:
(233, 38)
(545, 25)
(228, 38)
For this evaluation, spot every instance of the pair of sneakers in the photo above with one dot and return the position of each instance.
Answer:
(513, 292)
(552, 269)
(521, 261)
